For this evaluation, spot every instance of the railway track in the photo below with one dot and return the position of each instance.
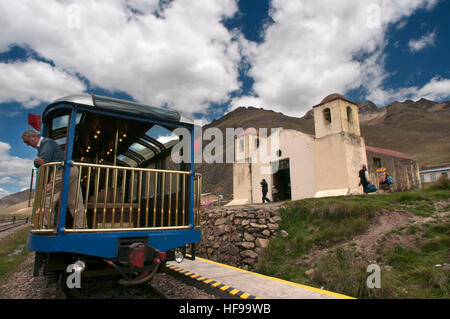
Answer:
(5, 227)
(108, 288)
(163, 286)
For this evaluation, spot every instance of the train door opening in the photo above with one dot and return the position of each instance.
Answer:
(281, 181)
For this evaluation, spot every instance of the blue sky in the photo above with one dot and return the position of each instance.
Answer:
(205, 58)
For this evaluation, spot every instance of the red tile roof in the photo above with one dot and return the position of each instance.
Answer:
(332, 97)
(387, 152)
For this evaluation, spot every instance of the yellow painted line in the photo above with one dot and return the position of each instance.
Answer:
(234, 291)
(325, 292)
(245, 295)
(223, 288)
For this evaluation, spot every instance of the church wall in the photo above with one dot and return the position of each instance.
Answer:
(299, 148)
(330, 163)
(350, 125)
(241, 181)
(321, 126)
(356, 156)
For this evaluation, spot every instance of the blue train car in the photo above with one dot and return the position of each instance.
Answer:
(118, 202)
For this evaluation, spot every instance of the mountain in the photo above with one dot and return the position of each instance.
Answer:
(419, 129)
(14, 198)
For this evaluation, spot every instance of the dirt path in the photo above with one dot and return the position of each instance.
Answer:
(383, 223)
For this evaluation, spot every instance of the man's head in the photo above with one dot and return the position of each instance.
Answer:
(31, 138)
(364, 166)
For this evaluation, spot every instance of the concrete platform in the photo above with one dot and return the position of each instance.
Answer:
(245, 284)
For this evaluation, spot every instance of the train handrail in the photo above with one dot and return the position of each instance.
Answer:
(159, 205)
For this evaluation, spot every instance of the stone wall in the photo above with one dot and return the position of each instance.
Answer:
(237, 235)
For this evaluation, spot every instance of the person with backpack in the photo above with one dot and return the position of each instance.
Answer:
(365, 181)
(384, 179)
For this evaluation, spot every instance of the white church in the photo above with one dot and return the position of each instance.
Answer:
(303, 166)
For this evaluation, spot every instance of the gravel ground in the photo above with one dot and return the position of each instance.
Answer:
(22, 285)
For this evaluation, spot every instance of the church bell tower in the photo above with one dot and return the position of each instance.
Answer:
(339, 148)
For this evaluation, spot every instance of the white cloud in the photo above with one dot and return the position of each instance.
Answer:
(436, 89)
(33, 82)
(246, 101)
(427, 40)
(14, 170)
(315, 48)
(179, 54)
(3, 192)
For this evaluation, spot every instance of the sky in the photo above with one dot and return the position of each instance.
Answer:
(205, 58)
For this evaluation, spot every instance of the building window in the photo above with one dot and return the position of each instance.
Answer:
(445, 174)
(422, 178)
(349, 114)
(257, 142)
(327, 115)
(433, 177)
(377, 162)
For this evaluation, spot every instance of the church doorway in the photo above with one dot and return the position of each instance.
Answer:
(281, 182)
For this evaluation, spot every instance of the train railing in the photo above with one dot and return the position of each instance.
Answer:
(111, 198)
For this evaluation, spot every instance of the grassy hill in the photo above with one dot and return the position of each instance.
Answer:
(331, 242)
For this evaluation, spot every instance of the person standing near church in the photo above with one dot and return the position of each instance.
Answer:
(265, 189)
(364, 178)
(48, 152)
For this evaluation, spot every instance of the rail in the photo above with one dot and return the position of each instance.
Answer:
(111, 198)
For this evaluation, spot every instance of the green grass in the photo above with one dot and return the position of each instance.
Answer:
(415, 269)
(332, 222)
(13, 252)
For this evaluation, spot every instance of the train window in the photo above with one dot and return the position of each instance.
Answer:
(127, 160)
(63, 121)
(136, 147)
(141, 149)
(162, 135)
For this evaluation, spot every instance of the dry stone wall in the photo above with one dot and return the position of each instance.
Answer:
(237, 235)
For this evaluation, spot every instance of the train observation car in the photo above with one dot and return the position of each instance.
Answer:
(129, 208)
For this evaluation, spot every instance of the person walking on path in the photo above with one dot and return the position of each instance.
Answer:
(265, 189)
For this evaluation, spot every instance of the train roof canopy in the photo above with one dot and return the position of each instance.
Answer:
(120, 106)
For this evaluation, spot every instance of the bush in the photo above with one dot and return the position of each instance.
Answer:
(441, 183)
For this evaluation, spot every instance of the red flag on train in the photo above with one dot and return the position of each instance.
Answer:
(35, 121)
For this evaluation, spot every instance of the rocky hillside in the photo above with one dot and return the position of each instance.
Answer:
(14, 198)
(419, 129)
